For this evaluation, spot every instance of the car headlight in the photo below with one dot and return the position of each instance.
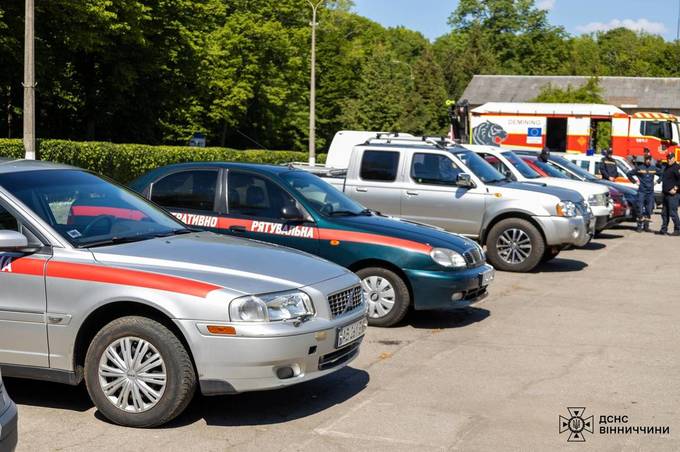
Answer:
(272, 307)
(448, 258)
(566, 209)
(599, 200)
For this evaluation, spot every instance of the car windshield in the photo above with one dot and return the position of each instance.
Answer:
(87, 210)
(521, 165)
(574, 168)
(323, 197)
(550, 169)
(482, 169)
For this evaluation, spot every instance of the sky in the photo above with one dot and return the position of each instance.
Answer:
(576, 16)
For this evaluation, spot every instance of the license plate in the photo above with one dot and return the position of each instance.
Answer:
(486, 277)
(350, 333)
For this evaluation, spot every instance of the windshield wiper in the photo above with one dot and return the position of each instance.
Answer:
(339, 213)
(116, 241)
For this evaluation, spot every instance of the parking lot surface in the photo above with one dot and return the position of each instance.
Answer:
(597, 328)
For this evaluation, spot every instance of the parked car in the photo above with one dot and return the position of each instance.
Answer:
(8, 421)
(621, 211)
(401, 264)
(573, 171)
(434, 182)
(101, 285)
(512, 166)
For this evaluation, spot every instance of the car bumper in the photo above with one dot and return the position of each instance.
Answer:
(449, 289)
(562, 231)
(253, 359)
(601, 222)
(8, 429)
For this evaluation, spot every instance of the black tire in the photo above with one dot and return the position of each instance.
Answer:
(536, 241)
(550, 254)
(402, 297)
(180, 375)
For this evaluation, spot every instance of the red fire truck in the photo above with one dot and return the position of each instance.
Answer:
(565, 127)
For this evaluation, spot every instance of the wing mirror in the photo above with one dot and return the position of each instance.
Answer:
(13, 241)
(291, 212)
(464, 180)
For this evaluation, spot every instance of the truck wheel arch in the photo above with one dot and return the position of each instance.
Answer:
(506, 215)
(109, 312)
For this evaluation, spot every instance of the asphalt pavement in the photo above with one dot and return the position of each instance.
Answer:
(598, 328)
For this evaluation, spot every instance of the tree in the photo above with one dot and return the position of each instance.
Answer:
(588, 93)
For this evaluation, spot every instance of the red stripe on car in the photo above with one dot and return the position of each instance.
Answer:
(373, 239)
(94, 211)
(125, 277)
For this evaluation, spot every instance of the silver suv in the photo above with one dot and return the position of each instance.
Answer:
(434, 182)
(101, 285)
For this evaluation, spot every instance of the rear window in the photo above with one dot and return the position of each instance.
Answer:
(379, 166)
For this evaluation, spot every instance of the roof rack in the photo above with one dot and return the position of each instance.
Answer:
(440, 142)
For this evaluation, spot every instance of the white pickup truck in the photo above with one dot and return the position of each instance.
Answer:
(431, 181)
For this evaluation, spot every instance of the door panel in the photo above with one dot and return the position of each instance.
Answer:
(431, 196)
(23, 331)
(255, 205)
(377, 187)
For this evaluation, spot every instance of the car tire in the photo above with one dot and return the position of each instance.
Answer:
(382, 287)
(156, 395)
(520, 232)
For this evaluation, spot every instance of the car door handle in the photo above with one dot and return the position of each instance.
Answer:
(361, 189)
(412, 193)
(237, 228)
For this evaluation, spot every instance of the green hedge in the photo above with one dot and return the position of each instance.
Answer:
(124, 162)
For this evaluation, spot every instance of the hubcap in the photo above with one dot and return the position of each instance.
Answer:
(132, 374)
(380, 296)
(514, 246)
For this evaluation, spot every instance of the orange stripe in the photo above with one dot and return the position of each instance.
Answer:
(28, 266)
(124, 277)
(373, 239)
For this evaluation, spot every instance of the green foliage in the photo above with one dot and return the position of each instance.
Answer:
(157, 71)
(589, 93)
(124, 162)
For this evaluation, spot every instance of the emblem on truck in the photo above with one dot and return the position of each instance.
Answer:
(489, 133)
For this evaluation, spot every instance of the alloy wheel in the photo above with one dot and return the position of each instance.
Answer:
(514, 246)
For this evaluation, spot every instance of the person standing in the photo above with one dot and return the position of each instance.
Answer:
(646, 174)
(544, 156)
(608, 168)
(670, 186)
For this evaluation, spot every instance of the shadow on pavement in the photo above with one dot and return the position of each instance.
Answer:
(446, 318)
(273, 407)
(608, 236)
(558, 265)
(593, 246)
(48, 395)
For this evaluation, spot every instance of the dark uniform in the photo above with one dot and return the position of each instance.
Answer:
(646, 174)
(608, 168)
(670, 186)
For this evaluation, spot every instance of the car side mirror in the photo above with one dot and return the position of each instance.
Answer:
(291, 213)
(464, 180)
(12, 241)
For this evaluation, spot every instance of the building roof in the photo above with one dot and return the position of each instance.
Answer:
(528, 108)
(628, 93)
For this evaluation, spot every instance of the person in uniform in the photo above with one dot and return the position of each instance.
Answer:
(544, 156)
(608, 168)
(646, 174)
(670, 181)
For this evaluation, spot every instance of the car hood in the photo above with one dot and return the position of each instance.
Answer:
(627, 190)
(399, 228)
(584, 188)
(241, 265)
(562, 193)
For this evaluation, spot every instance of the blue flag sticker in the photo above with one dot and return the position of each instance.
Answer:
(534, 135)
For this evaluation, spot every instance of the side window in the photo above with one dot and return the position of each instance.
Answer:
(187, 190)
(598, 167)
(585, 164)
(497, 164)
(659, 129)
(7, 220)
(434, 169)
(254, 196)
(379, 166)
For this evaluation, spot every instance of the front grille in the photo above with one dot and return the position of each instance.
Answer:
(473, 258)
(345, 301)
(341, 356)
